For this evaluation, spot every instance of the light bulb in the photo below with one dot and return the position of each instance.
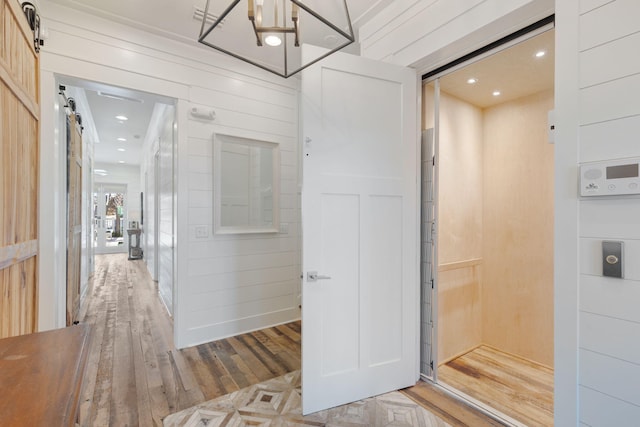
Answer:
(273, 40)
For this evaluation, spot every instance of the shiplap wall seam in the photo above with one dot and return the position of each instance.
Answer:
(617, 52)
(587, 6)
(608, 120)
(599, 408)
(610, 22)
(600, 315)
(608, 42)
(612, 80)
(608, 395)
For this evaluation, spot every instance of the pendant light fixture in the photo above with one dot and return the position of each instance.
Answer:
(270, 34)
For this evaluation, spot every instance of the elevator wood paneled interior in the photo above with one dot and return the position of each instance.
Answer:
(19, 172)
(495, 231)
(495, 226)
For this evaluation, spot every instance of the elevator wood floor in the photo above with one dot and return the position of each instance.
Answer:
(516, 387)
(136, 377)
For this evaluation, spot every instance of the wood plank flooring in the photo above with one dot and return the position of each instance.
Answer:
(136, 377)
(520, 389)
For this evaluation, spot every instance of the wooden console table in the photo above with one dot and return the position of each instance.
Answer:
(41, 377)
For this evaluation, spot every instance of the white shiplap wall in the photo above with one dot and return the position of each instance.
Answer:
(243, 282)
(609, 120)
(224, 285)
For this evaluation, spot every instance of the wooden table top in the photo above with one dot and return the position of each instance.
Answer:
(41, 377)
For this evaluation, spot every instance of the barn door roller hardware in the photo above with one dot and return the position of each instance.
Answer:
(33, 18)
(70, 105)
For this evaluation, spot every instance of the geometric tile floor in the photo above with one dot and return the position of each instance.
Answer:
(277, 403)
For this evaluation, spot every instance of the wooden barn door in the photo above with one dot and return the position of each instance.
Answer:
(74, 217)
(19, 166)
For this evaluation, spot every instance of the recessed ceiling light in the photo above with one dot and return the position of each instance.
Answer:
(472, 81)
(496, 93)
(122, 118)
(121, 149)
(540, 53)
(100, 172)
(121, 161)
(122, 139)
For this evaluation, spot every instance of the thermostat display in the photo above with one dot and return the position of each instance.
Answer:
(610, 178)
(622, 171)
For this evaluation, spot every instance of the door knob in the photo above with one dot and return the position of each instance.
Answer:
(313, 276)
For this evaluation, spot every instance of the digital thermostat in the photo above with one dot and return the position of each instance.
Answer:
(610, 178)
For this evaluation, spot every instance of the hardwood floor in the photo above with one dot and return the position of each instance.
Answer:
(136, 377)
(520, 389)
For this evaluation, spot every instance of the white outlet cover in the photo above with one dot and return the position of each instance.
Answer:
(202, 232)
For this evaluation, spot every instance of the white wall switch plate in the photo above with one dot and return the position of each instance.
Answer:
(202, 232)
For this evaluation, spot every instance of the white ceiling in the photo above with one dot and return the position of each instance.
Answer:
(108, 149)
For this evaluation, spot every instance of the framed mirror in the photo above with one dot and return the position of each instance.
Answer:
(246, 175)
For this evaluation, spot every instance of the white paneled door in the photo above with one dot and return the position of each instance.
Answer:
(360, 217)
